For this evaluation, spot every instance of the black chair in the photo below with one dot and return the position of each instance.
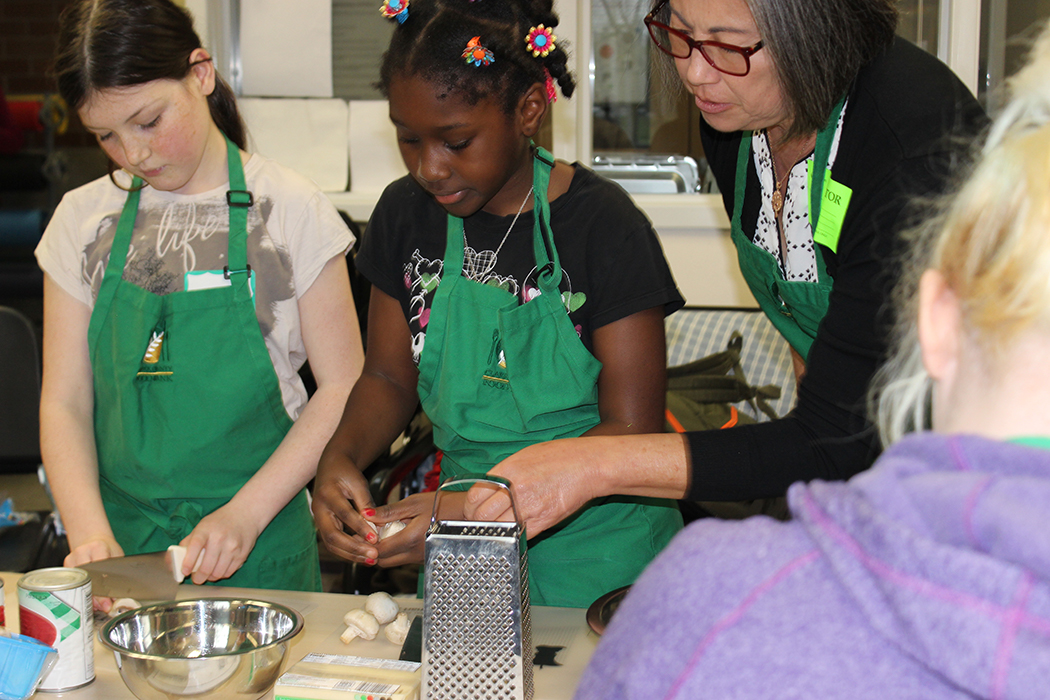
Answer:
(40, 542)
(19, 394)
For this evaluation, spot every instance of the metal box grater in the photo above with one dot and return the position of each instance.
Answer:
(477, 632)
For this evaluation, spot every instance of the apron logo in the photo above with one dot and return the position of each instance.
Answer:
(496, 374)
(152, 355)
(150, 369)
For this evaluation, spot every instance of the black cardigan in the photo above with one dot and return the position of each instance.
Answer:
(909, 129)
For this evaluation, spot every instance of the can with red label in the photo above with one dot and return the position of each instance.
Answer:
(54, 607)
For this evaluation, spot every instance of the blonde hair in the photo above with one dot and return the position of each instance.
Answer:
(991, 241)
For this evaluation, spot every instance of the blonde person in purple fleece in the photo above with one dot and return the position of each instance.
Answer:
(928, 576)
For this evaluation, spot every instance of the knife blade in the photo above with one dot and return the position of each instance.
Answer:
(140, 576)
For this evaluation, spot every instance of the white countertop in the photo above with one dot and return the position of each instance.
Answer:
(323, 612)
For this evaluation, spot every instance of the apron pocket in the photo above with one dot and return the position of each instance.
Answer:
(553, 377)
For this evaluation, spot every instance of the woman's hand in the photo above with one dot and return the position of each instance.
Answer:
(406, 547)
(95, 549)
(550, 481)
(341, 500)
(226, 537)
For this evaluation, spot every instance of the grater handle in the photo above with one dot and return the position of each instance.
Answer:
(488, 478)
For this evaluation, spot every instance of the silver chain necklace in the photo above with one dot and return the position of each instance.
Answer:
(476, 266)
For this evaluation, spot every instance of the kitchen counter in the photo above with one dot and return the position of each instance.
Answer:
(551, 627)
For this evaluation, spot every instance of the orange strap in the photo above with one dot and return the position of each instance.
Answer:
(732, 418)
(679, 428)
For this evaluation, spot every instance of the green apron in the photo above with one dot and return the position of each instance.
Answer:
(496, 376)
(188, 407)
(795, 308)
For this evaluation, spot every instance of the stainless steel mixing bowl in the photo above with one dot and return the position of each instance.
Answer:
(205, 647)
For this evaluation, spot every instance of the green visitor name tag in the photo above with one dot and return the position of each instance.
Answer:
(834, 201)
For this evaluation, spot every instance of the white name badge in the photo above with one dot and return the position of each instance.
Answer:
(210, 279)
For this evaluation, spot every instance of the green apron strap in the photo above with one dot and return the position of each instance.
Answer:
(821, 154)
(118, 256)
(743, 156)
(542, 235)
(825, 138)
(239, 200)
(549, 277)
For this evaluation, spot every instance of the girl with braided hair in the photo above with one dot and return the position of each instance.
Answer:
(519, 298)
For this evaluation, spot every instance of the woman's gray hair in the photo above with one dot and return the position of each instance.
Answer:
(818, 47)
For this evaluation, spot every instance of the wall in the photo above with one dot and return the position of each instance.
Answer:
(692, 230)
(27, 42)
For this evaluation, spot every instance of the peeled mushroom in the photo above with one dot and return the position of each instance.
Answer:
(397, 630)
(359, 623)
(391, 528)
(383, 606)
(121, 605)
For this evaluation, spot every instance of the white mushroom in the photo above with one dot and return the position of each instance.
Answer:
(359, 623)
(121, 605)
(397, 630)
(391, 528)
(382, 606)
(176, 556)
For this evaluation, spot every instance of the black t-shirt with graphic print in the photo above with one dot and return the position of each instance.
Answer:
(612, 262)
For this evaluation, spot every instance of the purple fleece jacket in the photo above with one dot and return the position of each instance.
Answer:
(925, 577)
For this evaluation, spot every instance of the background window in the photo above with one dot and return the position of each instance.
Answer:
(641, 122)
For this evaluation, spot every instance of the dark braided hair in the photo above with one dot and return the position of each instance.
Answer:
(118, 43)
(430, 44)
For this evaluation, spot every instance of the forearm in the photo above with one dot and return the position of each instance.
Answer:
(633, 380)
(294, 463)
(67, 424)
(655, 465)
(376, 412)
(67, 445)
(621, 426)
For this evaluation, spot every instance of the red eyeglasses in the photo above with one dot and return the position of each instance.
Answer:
(727, 58)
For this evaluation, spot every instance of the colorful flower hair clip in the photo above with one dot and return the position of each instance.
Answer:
(540, 41)
(395, 9)
(477, 54)
(552, 94)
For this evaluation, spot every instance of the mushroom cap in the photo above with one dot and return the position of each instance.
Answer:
(391, 528)
(383, 606)
(363, 621)
(397, 631)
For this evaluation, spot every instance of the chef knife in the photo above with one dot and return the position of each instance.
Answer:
(140, 576)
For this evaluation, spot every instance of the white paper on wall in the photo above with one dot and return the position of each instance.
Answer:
(375, 160)
(199, 10)
(286, 48)
(307, 135)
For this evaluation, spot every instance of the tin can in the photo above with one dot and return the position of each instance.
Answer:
(3, 620)
(54, 607)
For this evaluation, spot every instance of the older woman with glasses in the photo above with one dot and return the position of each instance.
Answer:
(927, 577)
(820, 126)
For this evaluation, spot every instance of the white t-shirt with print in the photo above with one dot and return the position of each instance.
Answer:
(293, 231)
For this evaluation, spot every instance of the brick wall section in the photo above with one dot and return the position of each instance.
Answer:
(28, 33)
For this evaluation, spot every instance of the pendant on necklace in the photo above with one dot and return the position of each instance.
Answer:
(778, 202)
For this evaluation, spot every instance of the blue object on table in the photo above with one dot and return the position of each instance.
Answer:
(23, 663)
(9, 517)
